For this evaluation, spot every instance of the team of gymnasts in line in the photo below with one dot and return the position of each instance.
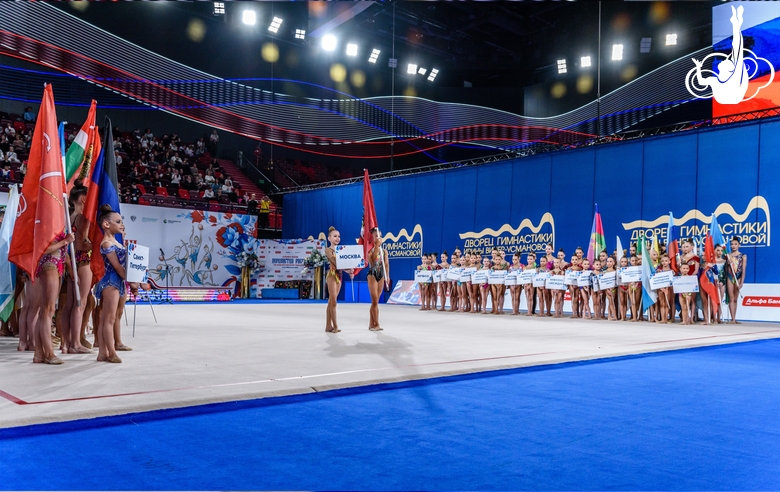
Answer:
(612, 303)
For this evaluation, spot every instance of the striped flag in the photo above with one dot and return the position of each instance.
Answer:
(717, 236)
(619, 247)
(8, 269)
(78, 159)
(672, 245)
(597, 242)
(707, 279)
(649, 296)
(102, 189)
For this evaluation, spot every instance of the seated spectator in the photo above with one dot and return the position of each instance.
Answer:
(5, 174)
(207, 194)
(189, 151)
(209, 178)
(148, 135)
(133, 194)
(2, 156)
(4, 143)
(29, 116)
(9, 130)
(244, 198)
(137, 134)
(11, 157)
(176, 177)
(118, 158)
(226, 188)
(23, 170)
(188, 184)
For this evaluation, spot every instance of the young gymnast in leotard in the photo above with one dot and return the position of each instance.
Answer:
(497, 290)
(687, 303)
(541, 292)
(378, 277)
(484, 288)
(444, 284)
(530, 291)
(623, 299)
(611, 292)
(585, 292)
(574, 291)
(515, 290)
(665, 295)
(333, 281)
(558, 294)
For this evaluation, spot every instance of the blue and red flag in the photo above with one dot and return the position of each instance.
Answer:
(102, 189)
(672, 246)
(707, 279)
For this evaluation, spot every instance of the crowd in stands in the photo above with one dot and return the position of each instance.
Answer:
(152, 170)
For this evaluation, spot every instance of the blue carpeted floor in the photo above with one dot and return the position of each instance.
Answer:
(686, 420)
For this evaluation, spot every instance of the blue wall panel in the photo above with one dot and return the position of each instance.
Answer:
(734, 170)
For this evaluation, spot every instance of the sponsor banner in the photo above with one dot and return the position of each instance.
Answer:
(190, 248)
(403, 244)
(283, 260)
(137, 263)
(752, 227)
(526, 237)
(758, 302)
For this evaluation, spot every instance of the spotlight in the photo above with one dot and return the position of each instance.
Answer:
(249, 17)
(219, 8)
(352, 49)
(433, 74)
(617, 51)
(411, 69)
(422, 71)
(644, 45)
(300, 34)
(392, 62)
(374, 56)
(275, 24)
(585, 61)
(671, 39)
(562, 66)
(329, 42)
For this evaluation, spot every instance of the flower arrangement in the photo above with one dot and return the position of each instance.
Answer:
(249, 260)
(314, 260)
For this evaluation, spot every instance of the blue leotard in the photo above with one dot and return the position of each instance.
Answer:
(111, 277)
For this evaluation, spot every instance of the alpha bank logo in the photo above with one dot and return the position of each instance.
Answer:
(729, 84)
(403, 244)
(512, 239)
(751, 229)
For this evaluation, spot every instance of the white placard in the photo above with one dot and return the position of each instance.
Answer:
(423, 276)
(137, 263)
(555, 282)
(497, 277)
(467, 273)
(686, 283)
(584, 279)
(511, 278)
(631, 274)
(349, 257)
(479, 277)
(607, 280)
(571, 277)
(540, 279)
(661, 280)
(437, 274)
(526, 277)
(453, 274)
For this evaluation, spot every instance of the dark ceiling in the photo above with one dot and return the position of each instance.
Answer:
(490, 44)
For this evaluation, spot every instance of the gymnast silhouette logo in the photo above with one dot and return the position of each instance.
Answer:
(730, 84)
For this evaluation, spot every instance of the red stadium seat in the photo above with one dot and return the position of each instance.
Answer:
(184, 194)
(162, 191)
(141, 188)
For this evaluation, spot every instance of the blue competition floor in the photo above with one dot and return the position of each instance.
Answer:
(686, 420)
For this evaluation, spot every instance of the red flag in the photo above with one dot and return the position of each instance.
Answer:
(707, 279)
(41, 205)
(369, 217)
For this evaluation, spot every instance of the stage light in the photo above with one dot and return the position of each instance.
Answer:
(433, 74)
(275, 24)
(352, 49)
(329, 42)
(585, 61)
(671, 39)
(392, 62)
(644, 45)
(374, 56)
(300, 34)
(219, 8)
(562, 66)
(617, 51)
(411, 69)
(422, 71)
(249, 17)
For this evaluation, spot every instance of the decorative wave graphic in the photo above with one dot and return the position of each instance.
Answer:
(338, 124)
(547, 218)
(405, 234)
(756, 203)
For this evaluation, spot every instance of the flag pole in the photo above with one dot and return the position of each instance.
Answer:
(69, 229)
